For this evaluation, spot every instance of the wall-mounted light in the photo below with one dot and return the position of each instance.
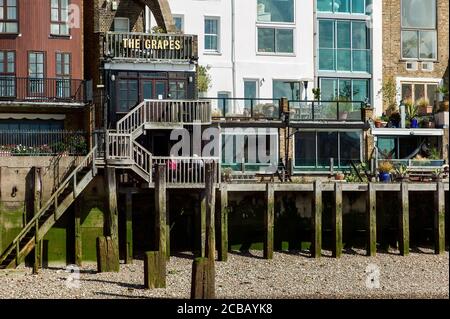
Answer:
(261, 82)
(113, 77)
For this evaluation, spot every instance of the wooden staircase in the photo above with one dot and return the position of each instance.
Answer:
(50, 212)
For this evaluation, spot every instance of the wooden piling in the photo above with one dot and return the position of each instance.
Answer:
(269, 221)
(36, 175)
(404, 220)
(161, 209)
(112, 223)
(223, 247)
(337, 221)
(371, 204)
(203, 224)
(78, 234)
(439, 219)
(316, 241)
(199, 284)
(129, 228)
(154, 270)
(107, 258)
(210, 246)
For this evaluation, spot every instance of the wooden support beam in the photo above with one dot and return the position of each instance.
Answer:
(112, 223)
(337, 221)
(78, 234)
(316, 241)
(167, 226)
(404, 220)
(199, 280)
(210, 245)
(371, 204)
(107, 255)
(154, 270)
(36, 176)
(161, 209)
(202, 224)
(129, 228)
(223, 247)
(269, 221)
(439, 219)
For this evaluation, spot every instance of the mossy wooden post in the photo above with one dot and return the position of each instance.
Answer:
(223, 247)
(210, 245)
(439, 219)
(36, 175)
(371, 204)
(404, 220)
(129, 228)
(316, 241)
(78, 234)
(199, 278)
(337, 221)
(167, 226)
(161, 209)
(107, 255)
(154, 270)
(112, 227)
(269, 221)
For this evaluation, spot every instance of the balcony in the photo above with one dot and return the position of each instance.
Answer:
(340, 111)
(150, 47)
(42, 90)
(245, 109)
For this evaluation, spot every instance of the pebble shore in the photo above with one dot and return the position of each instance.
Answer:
(247, 275)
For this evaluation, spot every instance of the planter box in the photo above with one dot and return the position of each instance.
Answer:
(441, 119)
(425, 110)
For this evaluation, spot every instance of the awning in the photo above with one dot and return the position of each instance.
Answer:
(31, 116)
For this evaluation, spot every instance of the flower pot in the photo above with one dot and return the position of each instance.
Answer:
(384, 177)
(441, 119)
(378, 124)
(339, 176)
(414, 123)
(425, 110)
(343, 116)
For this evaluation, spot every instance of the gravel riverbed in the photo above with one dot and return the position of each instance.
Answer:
(288, 275)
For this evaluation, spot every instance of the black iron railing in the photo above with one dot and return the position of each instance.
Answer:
(42, 89)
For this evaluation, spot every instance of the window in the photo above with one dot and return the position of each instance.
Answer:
(121, 25)
(314, 149)
(63, 75)
(416, 91)
(9, 16)
(59, 17)
(273, 40)
(224, 102)
(31, 125)
(350, 89)
(36, 73)
(212, 36)
(177, 90)
(276, 11)
(419, 36)
(344, 6)
(128, 94)
(179, 22)
(344, 46)
(288, 89)
(250, 91)
(7, 74)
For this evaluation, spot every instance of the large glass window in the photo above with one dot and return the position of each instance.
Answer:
(419, 36)
(415, 91)
(63, 75)
(273, 40)
(7, 73)
(288, 89)
(9, 18)
(250, 91)
(344, 46)
(177, 90)
(276, 11)
(59, 17)
(36, 73)
(128, 94)
(212, 35)
(314, 149)
(344, 89)
(344, 6)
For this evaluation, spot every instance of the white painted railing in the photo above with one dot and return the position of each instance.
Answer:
(165, 111)
(142, 158)
(118, 146)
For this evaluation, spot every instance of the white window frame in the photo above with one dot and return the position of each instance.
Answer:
(218, 50)
(418, 39)
(121, 18)
(275, 22)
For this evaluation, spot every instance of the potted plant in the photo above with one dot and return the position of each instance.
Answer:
(385, 168)
(442, 97)
(204, 80)
(378, 122)
(394, 119)
(389, 92)
(401, 173)
(339, 176)
(424, 107)
(411, 114)
(316, 93)
(441, 117)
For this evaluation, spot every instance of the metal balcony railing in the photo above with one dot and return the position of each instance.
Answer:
(33, 89)
(342, 111)
(245, 108)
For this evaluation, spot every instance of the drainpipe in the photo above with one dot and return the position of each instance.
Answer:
(316, 78)
(233, 45)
